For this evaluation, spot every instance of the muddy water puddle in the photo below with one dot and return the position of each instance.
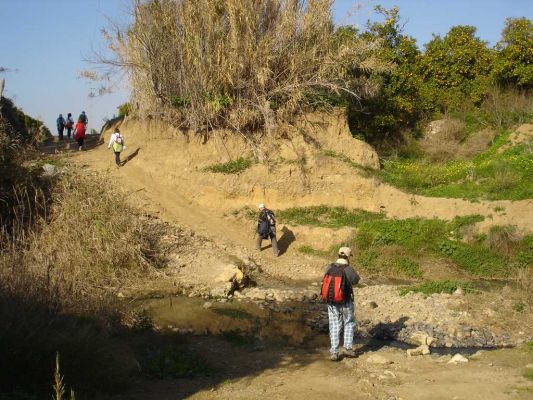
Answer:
(240, 322)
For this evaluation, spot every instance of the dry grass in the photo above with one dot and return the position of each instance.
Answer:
(92, 241)
(236, 64)
(58, 277)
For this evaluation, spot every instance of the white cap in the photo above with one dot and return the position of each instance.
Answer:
(345, 251)
(261, 206)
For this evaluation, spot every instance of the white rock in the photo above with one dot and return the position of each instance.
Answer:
(208, 304)
(458, 358)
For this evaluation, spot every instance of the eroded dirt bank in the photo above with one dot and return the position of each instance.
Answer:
(212, 257)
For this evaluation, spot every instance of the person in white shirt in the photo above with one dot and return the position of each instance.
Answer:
(117, 143)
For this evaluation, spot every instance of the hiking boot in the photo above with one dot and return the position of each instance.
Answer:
(334, 357)
(349, 353)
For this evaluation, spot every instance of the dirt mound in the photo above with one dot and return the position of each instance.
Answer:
(523, 135)
(301, 167)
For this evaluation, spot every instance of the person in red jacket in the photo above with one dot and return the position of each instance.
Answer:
(79, 133)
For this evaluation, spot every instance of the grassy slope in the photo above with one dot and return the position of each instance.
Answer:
(492, 175)
(397, 246)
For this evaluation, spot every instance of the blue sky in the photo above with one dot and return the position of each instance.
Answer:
(46, 41)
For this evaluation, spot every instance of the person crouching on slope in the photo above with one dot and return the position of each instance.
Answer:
(337, 292)
(117, 143)
(266, 228)
(79, 133)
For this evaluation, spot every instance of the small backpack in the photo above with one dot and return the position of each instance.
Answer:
(335, 288)
(118, 139)
(69, 123)
(264, 229)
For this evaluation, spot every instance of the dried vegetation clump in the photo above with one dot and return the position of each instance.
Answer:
(83, 243)
(236, 64)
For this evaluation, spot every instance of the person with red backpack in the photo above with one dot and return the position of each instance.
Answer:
(117, 143)
(337, 292)
(79, 133)
(266, 228)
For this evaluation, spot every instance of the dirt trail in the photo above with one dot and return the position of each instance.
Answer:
(302, 375)
(160, 183)
(165, 177)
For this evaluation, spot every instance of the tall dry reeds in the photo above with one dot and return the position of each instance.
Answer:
(237, 64)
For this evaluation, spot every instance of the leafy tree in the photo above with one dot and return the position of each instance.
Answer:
(457, 67)
(399, 102)
(514, 63)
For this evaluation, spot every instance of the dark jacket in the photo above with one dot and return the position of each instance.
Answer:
(266, 215)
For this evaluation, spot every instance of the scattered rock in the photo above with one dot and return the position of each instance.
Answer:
(458, 358)
(459, 291)
(208, 304)
(50, 170)
(378, 359)
(421, 350)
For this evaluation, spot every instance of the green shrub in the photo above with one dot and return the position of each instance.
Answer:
(124, 109)
(230, 167)
(178, 101)
(446, 286)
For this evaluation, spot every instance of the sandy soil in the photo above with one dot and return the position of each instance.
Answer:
(163, 176)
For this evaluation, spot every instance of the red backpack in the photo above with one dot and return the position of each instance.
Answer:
(335, 288)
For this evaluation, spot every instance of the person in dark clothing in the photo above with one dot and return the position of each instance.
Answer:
(69, 125)
(266, 228)
(83, 118)
(342, 315)
(60, 126)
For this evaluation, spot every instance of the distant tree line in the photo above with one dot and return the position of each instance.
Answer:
(207, 64)
(453, 73)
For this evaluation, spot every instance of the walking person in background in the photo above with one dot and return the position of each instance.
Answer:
(83, 118)
(79, 133)
(337, 292)
(69, 124)
(117, 143)
(266, 228)
(60, 126)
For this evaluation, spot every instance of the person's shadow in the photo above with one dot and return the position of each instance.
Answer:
(130, 156)
(285, 240)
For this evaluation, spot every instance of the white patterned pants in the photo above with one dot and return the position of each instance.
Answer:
(341, 318)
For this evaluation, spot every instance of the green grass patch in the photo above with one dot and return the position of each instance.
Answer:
(314, 252)
(414, 238)
(492, 175)
(330, 217)
(230, 167)
(446, 286)
(406, 266)
(173, 362)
